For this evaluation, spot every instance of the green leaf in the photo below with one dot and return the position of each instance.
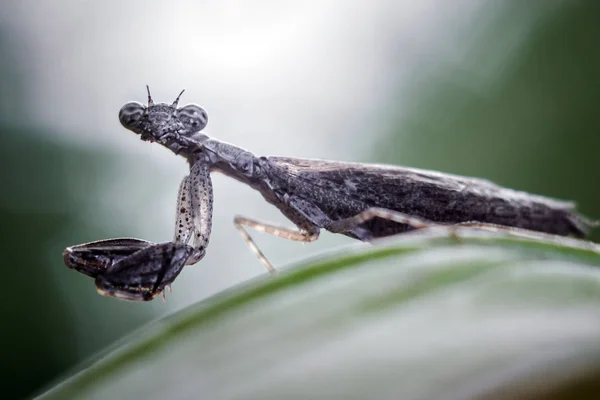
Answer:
(426, 315)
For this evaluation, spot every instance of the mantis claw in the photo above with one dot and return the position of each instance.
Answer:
(129, 269)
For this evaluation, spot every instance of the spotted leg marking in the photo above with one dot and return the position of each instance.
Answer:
(184, 226)
(306, 233)
(193, 222)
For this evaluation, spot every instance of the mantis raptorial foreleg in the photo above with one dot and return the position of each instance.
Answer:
(135, 269)
(193, 221)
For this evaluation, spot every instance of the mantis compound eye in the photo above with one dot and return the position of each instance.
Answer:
(130, 114)
(193, 117)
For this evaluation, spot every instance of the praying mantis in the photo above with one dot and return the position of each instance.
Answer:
(362, 201)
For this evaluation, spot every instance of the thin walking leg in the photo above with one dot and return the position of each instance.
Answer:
(347, 224)
(307, 233)
(501, 228)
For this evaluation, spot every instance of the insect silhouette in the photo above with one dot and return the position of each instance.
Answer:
(362, 201)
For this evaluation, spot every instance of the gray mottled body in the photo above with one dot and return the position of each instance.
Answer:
(319, 192)
(340, 190)
(362, 201)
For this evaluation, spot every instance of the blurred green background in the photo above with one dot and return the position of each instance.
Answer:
(504, 90)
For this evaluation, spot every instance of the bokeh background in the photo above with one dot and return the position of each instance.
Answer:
(506, 90)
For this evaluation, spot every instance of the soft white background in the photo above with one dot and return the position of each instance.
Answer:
(309, 79)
